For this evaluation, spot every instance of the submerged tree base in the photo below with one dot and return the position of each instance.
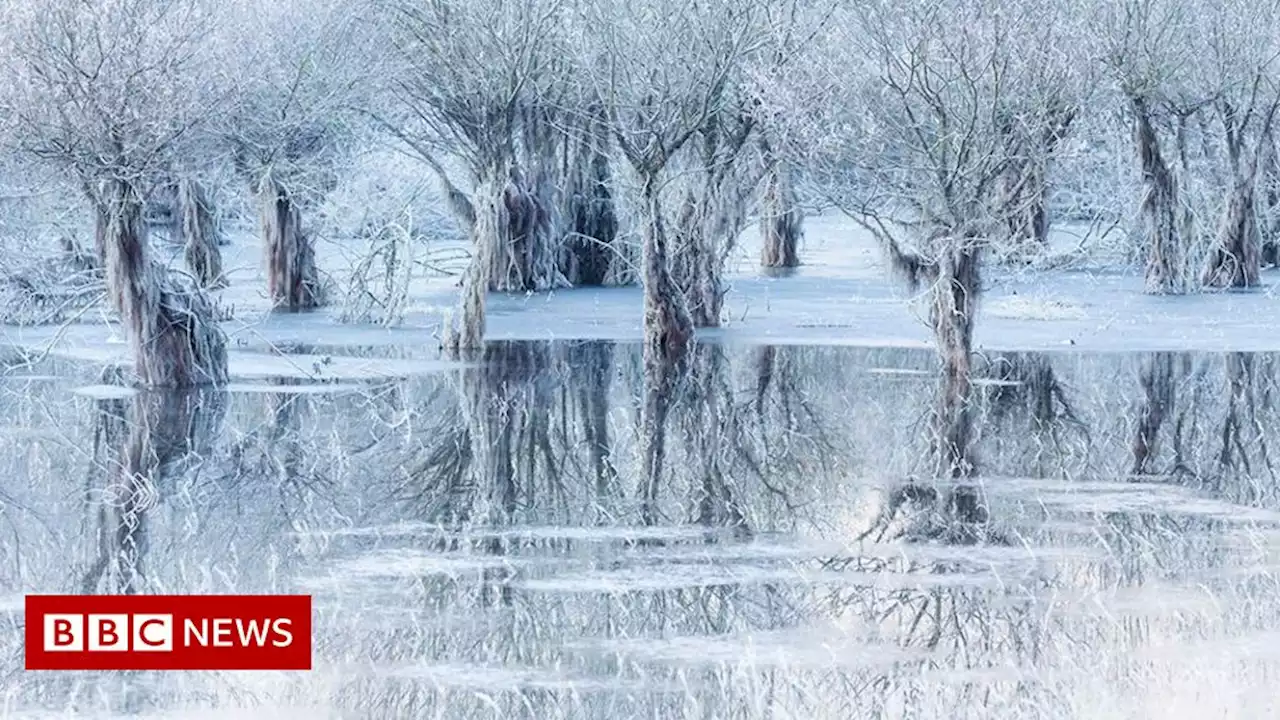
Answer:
(171, 325)
(292, 278)
(201, 236)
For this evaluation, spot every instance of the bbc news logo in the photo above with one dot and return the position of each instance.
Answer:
(168, 632)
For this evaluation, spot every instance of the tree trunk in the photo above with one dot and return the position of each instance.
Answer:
(201, 235)
(1027, 180)
(174, 337)
(711, 218)
(1269, 227)
(1159, 210)
(781, 219)
(1235, 260)
(668, 326)
(590, 251)
(694, 262)
(1028, 220)
(955, 302)
(668, 330)
(523, 251)
(491, 219)
(292, 279)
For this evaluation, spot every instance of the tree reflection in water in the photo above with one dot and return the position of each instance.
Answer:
(830, 534)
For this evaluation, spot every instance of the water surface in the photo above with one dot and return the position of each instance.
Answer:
(480, 544)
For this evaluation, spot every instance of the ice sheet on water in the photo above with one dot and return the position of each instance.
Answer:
(979, 676)
(793, 649)
(397, 562)
(105, 392)
(679, 577)
(296, 389)
(1103, 496)
(257, 711)
(783, 549)
(248, 365)
(526, 532)
(1160, 500)
(1255, 646)
(1031, 307)
(512, 679)
(994, 382)
(891, 371)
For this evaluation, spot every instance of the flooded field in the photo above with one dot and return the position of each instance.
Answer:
(480, 540)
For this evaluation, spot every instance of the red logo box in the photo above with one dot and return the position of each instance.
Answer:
(168, 632)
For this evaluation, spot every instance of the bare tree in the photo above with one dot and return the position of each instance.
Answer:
(664, 83)
(110, 92)
(201, 234)
(911, 141)
(302, 68)
(491, 87)
(1175, 63)
(790, 30)
(1245, 55)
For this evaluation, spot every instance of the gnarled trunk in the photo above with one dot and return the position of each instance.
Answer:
(1269, 227)
(1161, 228)
(172, 331)
(201, 235)
(523, 250)
(668, 326)
(668, 330)
(490, 216)
(1235, 260)
(781, 219)
(593, 223)
(292, 279)
(955, 304)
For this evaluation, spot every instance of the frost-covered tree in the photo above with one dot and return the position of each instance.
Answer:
(201, 233)
(1190, 71)
(299, 70)
(788, 41)
(469, 74)
(485, 94)
(669, 73)
(907, 123)
(1243, 52)
(111, 91)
